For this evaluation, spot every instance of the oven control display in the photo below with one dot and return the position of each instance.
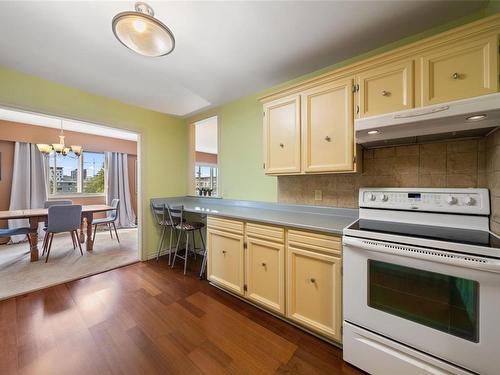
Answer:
(447, 200)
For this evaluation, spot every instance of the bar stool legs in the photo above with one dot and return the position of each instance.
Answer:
(160, 244)
(204, 262)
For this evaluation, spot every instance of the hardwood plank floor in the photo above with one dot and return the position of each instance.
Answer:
(146, 318)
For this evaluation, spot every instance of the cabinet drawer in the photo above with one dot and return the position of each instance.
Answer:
(233, 226)
(226, 260)
(315, 241)
(314, 291)
(386, 89)
(282, 136)
(265, 273)
(460, 71)
(267, 232)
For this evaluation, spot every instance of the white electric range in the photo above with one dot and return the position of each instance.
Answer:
(421, 285)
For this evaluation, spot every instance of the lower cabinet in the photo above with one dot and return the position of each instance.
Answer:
(314, 291)
(226, 260)
(292, 273)
(265, 269)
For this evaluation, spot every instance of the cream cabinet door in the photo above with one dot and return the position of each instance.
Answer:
(226, 260)
(314, 291)
(282, 136)
(265, 273)
(385, 89)
(328, 128)
(460, 71)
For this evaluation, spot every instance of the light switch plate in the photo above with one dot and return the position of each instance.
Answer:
(318, 195)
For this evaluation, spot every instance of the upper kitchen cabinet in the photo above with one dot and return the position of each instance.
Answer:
(282, 136)
(387, 88)
(460, 70)
(327, 127)
(308, 127)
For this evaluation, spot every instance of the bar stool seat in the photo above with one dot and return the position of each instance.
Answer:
(190, 226)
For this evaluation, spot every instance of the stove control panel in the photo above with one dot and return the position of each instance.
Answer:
(467, 201)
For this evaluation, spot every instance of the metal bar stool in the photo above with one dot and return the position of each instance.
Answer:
(164, 220)
(187, 227)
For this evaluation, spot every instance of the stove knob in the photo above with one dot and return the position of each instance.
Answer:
(371, 196)
(469, 201)
(384, 197)
(451, 200)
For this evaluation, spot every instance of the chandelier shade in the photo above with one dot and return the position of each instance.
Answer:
(141, 32)
(60, 147)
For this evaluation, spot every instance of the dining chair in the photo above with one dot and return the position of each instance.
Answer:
(165, 221)
(16, 231)
(185, 227)
(48, 204)
(63, 218)
(109, 220)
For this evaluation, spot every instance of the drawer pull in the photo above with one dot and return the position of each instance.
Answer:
(282, 145)
(385, 93)
(264, 264)
(455, 76)
(224, 252)
(328, 139)
(312, 280)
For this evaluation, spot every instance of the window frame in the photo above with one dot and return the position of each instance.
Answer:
(212, 176)
(79, 183)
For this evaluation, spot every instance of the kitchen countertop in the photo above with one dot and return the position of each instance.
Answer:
(323, 219)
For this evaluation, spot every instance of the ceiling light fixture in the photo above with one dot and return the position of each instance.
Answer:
(476, 118)
(141, 32)
(373, 132)
(60, 147)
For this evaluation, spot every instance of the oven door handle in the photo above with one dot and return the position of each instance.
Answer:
(446, 257)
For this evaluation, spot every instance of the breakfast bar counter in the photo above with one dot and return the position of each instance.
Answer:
(316, 218)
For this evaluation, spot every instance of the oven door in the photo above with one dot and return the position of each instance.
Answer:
(442, 303)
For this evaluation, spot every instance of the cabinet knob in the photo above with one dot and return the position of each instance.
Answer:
(312, 280)
(264, 264)
(455, 76)
(282, 145)
(385, 93)
(224, 251)
(328, 139)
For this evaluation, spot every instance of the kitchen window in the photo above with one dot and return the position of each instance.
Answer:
(206, 178)
(70, 175)
(204, 149)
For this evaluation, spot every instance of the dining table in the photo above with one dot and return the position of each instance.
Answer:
(38, 215)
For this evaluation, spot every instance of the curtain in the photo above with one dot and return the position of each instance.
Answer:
(29, 188)
(118, 187)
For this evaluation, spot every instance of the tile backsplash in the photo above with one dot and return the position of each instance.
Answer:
(454, 164)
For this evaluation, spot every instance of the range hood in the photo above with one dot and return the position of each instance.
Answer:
(460, 118)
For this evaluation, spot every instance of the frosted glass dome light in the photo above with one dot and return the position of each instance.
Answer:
(141, 32)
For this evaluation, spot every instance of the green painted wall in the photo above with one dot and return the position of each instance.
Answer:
(240, 125)
(163, 138)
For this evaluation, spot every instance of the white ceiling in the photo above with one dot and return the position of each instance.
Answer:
(38, 119)
(224, 50)
(206, 135)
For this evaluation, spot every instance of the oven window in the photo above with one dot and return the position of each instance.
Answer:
(447, 303)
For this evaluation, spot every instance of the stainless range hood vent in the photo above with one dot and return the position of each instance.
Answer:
(459, 119)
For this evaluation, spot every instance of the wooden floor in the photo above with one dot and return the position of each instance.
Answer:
(147, 319)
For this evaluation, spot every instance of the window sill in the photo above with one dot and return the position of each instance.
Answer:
(76, 195)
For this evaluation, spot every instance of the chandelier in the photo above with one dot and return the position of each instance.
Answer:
(59, 148)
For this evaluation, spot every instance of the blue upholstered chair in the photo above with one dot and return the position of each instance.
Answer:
(63, 218)
(109, 220)
(15, 232)
(48, 204)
